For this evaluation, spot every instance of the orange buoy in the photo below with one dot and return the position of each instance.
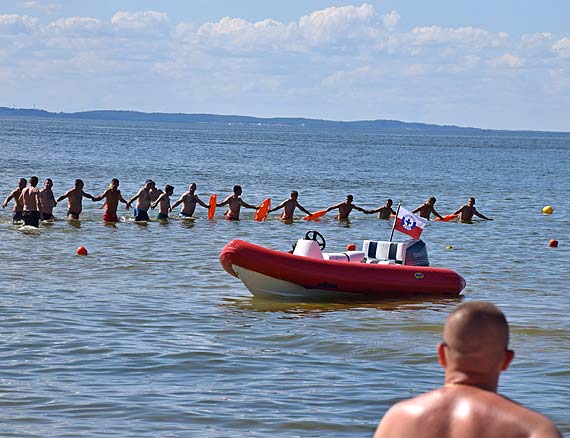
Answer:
(82, 251)
(351, 247)
(553, 243)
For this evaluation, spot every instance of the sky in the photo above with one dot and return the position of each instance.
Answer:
(489, 64)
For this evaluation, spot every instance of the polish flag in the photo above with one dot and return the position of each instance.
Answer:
(408, 223)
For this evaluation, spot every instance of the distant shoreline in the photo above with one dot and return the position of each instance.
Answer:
(369, 125)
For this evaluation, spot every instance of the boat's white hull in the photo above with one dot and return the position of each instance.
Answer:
(261, 285)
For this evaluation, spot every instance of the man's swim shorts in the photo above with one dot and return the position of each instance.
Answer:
(141, 215)
(31, 218)
(110, 217)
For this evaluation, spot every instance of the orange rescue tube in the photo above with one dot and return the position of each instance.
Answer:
(262, 210)
(212, 206)
(316, 215)
(447, 218)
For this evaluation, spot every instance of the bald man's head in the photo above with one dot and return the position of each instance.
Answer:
(476, 328)
(475, 343)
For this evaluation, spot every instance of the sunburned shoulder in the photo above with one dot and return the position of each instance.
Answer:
(476, 412)
(406, 417)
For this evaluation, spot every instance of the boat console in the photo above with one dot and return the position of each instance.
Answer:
(411, 252)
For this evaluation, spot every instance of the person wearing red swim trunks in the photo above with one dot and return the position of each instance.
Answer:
(234, 203)
(112, 197)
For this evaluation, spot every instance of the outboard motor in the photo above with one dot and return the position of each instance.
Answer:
(416, 254)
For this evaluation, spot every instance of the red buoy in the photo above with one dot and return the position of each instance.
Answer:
(82, 251)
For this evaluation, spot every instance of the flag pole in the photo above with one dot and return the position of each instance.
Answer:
(395, 220)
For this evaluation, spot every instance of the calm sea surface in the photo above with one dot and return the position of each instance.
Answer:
(148, 336)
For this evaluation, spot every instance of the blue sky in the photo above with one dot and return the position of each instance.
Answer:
(491, 64)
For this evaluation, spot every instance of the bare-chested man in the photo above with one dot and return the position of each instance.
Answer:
(154, 192)
(427, 208)
(474, 351)
(15, 195)
(164, 202)
(47, 200)
(143, 202)
(189, 201)
(234, 203)
(344, 208)
(467, 211)
(384, 212)
(30, 199)
(289, 206)
(112, 197)
(75, 200)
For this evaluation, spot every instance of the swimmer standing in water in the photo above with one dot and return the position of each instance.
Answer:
(234, 203)
(427, 208)
(189, 200)
(289, 206)
(30, 199)
(143, 202)
(344, 208)
(48, 202)
(112, 198)
(15, 195)
(164, 201)
(466, 212)
(74, 200)
(384, 212)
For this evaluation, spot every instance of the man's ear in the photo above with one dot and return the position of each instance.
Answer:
(509, 356)
(441, 354)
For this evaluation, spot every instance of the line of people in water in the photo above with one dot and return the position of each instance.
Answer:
(31, 205)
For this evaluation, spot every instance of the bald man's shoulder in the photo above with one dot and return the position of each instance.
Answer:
(463, 411)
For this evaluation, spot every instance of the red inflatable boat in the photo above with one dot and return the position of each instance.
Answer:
(380, 270)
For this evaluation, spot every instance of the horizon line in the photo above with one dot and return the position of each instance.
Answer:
(282, 118)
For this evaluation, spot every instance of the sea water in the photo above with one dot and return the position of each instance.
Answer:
(149, 336)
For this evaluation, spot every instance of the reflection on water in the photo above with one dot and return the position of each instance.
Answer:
(259, 304)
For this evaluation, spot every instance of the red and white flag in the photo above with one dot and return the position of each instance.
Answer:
(408, 223)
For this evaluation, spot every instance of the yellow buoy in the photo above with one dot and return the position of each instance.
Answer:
(449, 247)
(548, 209)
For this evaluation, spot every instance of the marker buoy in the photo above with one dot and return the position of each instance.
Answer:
(548, 209)
(553, 243)
(82, 251)
(351, 247)
(449, 247)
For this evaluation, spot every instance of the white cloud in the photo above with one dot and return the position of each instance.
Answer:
(17, 24)
(44, 7)
(562, 47)
(355, 77)
(508, 60)
(536, 39)
(436, 35)
(76, 25)
(472, 60)
(236, 34)
(337, 28)
(147, 21)
(338, 23)
(391, 20)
